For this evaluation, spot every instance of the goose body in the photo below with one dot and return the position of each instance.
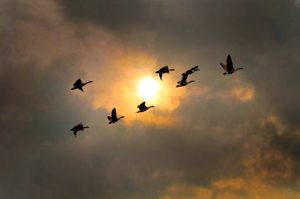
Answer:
(79, 84)
(163, 70)
(228, 67)
(183, 81)
(78, 127)
(142, 107)
(113, 118)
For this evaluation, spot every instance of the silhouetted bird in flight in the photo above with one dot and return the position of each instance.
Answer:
(78, 84)
(183, 81)
(78, 127)
(191, 71)
(229, 66)
(163, 70)
(113, 118)
(143, 107)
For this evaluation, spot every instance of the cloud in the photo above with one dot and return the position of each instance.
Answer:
(189, 192)
(220, 137)
(248, 187)
(43, 36)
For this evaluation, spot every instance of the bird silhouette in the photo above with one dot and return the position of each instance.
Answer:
(163, 70)
(78, 84)
(229, 66)
(113, 118)
(78, 127)
(142, 107)
(191, 71)
(183, 81)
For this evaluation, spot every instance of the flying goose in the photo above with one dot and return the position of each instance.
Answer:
(163, 70)
(142, 107)
(183, 81)
(78, 127)
(78, 84)
(113, 118)
(229, 66)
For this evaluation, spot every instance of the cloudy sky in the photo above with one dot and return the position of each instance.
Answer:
(221, 137)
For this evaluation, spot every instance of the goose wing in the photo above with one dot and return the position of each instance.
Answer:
(142, 105)
(114, 114)
(188, 72)
(77, 127)
(195, 68)
(223, 66)
(78, 83)
(192, 70)
(160, 75)
(164, 69)
(229, 63)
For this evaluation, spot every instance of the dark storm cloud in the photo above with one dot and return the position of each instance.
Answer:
(261, 35)
(39, 60)
(194, 22)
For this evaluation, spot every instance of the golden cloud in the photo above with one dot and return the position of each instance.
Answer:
(243, 94)
(183, 191)
(241, 91)
(275, 121)
(231, 188)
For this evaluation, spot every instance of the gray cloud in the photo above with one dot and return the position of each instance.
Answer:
(46, 46)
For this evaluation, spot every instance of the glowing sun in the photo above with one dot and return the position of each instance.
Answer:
(148, 88)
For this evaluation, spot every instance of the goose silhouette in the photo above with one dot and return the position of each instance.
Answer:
(142, 107)
(163, 70)
(113, 118)
(183, 81)
(78, 127)
(78, 84)
(229, 66)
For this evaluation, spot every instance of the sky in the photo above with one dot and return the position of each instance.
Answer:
(221, 137)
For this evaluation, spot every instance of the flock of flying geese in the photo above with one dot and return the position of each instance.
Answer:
(113, 118)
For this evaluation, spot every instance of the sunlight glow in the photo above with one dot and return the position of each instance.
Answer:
(148, 88)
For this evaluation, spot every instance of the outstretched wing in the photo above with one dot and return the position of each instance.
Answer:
(160, 75)
(114, 114)
(75, 127)
(164, 69)
(229, 63)
(78, 83)
(223, 66)
(142, 105)
(192, 70)
(195, 68)
(188, 72)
